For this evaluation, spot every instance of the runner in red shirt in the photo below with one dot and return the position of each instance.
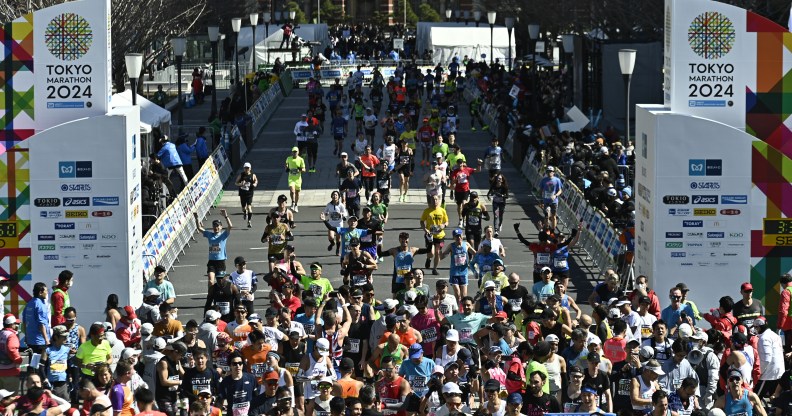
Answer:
(460, 179)
(368, 170)
(426, 134)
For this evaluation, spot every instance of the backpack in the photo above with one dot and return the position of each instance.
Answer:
(515, 376)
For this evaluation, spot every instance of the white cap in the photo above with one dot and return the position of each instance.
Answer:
(344, 154)
(604, 150)
(552, 338)
(438, 154)
(489, 284)
(451, 388)
(594, 340)
(411, 310)
(128, 352)
(160, 344)
(5, 393)
(622, 303)
(614, 313)
(646, 353)
(545, 268)
(212, 315)
(410, 295)
(323, 345)
(684, 331)
(452, 335)
(326, 379)
(247, 165)
(700, 335)
(152, 291)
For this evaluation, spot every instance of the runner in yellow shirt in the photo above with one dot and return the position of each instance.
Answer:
(434, 220)
(295, 166)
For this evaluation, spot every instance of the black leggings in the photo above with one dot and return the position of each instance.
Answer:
(368, 183)
(497, 214)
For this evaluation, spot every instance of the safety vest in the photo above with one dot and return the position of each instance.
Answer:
(66, 302)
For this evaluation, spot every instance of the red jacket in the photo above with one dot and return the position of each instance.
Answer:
(128, 331)
(58, 302)
(723, 323)
(9, 346)
(785, 321)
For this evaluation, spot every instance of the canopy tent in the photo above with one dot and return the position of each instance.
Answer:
(316, 34)
(151, 115)
(447, 40)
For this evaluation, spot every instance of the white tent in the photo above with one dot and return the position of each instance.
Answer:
(309, 33)
(151, 115)
(455, 39)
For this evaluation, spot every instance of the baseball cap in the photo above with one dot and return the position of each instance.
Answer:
(593, 357)
(546, 269)
(760, 321)
(295, 149)
(575, 369)
(473, 194)
(177, 346)
(205, 391)
(239, 260)
(212, 315)
(514, 398)
(129, 352)
(323, 346)
(416, 351)
(457, 231)
(451, 365)
(550, 169)
(344, 154)
(622, 302)
(654, 366)
(735, 373)
(152, 291)
(614, 313)
(683, 287)
(410, 296)
(702, 335)
(552, 338)
(387, 304)
(645, 299)
(346, 364)
(494, 349)
(502, 315)
(271, 375)
(465, 355)
(452, 335)
(326, 379)
(739, 338)
(160, 344)
(60, 330)
(10, 319)
(438, 154)
(5, 393)
(254, 317)
(451, 388)
(746, 286)
(492, 384)
(246, 165)
(612, 192)
(684, 330)
(489, 284)
(646, 353)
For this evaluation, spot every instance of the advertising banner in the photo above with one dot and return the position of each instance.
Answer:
(87, 208)
(72, 61)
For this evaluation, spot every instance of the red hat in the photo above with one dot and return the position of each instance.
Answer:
(746, 286)
(10, 319)
(502, 314)
(130, 312)
(271, 375)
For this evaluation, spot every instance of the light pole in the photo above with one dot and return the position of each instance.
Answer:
(318, 12)
(491, 19)
(179, 46)
(292, 15)
(466, 15)
(568, 40)
(627, 64)
(533, 34)
(236, 26)
(134, 64)
(457, 14)
(253, 22)
(509, 26)
(448, 14)
(267, 18)
(214, 34)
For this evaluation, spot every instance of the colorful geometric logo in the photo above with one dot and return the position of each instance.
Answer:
(711, 35)
(68, 37)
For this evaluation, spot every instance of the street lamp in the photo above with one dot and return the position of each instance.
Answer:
(214, 34)
(292, 14)
(477, 16)
(179, 46)
(448, 14)
(236, 26)
(134, 64)
(627, 64)
(253, 22)
(491, 20)
(509, 26)
(278, 16)
(267, 18)
(533, 34)
(466, 15)
(568, 41)
(318, 12)
(457, 14)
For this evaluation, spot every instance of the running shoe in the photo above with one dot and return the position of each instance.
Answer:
(330, 246)
(472, 129)
(296, 209)
(249, 224)
(434, 272)
(485, 127)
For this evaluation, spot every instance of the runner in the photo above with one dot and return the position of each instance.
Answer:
(426, 134)
(473, 212)
(434, 220)
(403, 258)
(346, 233)
(384, 181)
(247, 182)
(498, 192)
(300, 133)
(358, 265)
(405, 169)
(277, 235)
(551, 188)
(339, 127)
(460, 179)
(461, 253)
(295, 166)
(336, 214)
(285, 215)
(368, 170)
(350, 193)
(493, 157)
(217, 244)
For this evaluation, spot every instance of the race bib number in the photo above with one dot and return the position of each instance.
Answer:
(462, 178)
(543, 258)
(335, 216)
(58, 366)
(276, 239)
(309, 328)
(560, 263)
(366, 238)
(354, 345)
(293, 368)
(473, 220)
(382, 183)
(570, 407)
(465, 334)
(418, 383)
(429, 334)
(646, 331)
(173, 378)
(214, 249)
(445, 309)
(460, 259)
(316, 290)
(294, 171)
(257, 369)
(225, 307)
(359, 279)
(351, 193)
(515, 303)
(245, 186)
(240, 409)
(548, 194)
(624, 387)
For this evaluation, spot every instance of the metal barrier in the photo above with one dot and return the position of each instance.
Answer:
(225, 72)
(174, 229)
(327, 76)
(261, 111)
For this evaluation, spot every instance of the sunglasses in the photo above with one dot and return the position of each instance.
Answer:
(325, 386)
(273, 382)
(735, 379)
(235, 363)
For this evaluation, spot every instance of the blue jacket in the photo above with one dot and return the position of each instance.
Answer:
(35, 314)
(185, 152)
(201, 149)
(169, 156)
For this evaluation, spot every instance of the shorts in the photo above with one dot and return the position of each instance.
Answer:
(246, 198)
(473, 233)
(301, 146)
(426, 145)
(215, 266)
(295, 183)
(550, 209)
(461, 196)
(406, 171)
(275, 257)
(371, 250)
(339, 137)
(435, 242)
(369, 132)
(459, 280)
(412, 403)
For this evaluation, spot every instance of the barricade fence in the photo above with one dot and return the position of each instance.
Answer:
(600, 238)
(261, 111)
(327, 76)
(173, 230)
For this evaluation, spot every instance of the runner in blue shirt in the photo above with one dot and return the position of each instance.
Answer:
(461, 255)
(346, 233)
(551, 188)
(417, 370)
(217, 244)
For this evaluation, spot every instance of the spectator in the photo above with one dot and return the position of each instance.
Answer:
(9, 350)
(60, 297)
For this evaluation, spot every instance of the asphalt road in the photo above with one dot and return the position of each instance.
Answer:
(268, 156)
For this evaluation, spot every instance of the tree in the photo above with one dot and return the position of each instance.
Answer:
(428, 13)
(398, 13)
(330, 13)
